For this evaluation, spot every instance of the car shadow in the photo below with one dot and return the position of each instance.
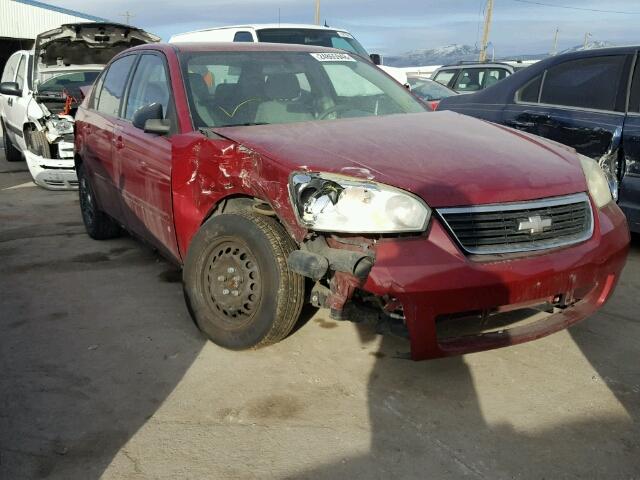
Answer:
(460, 416)
(93, 338)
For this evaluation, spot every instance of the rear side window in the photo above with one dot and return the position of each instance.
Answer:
(445, 76)
(586, 83)
(634, 96)
(531, 91)
(113, 86)
(470, 80)
(243, 37)
(9, 72)
(20, 73)
(494, 75)
(150, 84)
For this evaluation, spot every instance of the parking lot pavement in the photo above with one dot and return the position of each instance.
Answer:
(103, 373)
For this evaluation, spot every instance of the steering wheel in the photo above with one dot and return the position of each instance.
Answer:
(335, 109)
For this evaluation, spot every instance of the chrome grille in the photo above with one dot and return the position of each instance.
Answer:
(521, 227)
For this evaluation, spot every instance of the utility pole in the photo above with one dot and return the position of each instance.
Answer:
(317, 12)
(555, 42)
(586, 40)
(127, 17)
(485, 30)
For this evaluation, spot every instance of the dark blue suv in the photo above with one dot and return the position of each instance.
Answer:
(589, 100)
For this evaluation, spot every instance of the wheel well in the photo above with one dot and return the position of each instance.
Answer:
(237, 203)
(77, 161)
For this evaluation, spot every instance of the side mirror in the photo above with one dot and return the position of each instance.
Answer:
(150, 119)
(376, 58)
(10, 88)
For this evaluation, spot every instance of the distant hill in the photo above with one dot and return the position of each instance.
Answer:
(457, 53)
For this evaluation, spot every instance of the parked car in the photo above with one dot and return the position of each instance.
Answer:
(310, 163)
(301, 34)
(39, 99)
(468, 77)
(589, 100)
(430, 91)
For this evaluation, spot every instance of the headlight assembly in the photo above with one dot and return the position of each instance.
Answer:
(336, 203)
(601, 187)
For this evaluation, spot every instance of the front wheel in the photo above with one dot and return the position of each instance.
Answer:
(237, 281)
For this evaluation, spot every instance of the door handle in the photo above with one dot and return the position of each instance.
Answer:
(118, 142)
(10, 101)
(518, 123)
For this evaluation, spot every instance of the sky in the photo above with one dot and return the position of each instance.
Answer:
(395, 26)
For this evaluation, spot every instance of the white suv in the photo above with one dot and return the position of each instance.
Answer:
(289, 33)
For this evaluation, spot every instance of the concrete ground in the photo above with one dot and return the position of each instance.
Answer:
(103, 374)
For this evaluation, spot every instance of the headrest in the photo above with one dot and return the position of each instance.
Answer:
(282, 86)
(225, 91)
(198, 87)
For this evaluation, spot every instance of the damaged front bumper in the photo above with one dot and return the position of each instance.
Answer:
(435, 285)
(53, 173)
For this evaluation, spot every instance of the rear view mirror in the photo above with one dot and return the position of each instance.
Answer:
(376, 58)
(10, 88)
(151, 119)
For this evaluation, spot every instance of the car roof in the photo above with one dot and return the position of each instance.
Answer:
(258, 26)
(476, 64)
(237, 47)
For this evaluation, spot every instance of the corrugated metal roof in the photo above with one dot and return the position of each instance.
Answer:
(66, 11)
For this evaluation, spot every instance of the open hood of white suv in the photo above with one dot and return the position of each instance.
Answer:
(81, 46)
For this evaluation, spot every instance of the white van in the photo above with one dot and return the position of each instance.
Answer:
(288, 33)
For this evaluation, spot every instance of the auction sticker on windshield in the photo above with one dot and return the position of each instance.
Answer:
(332, 57)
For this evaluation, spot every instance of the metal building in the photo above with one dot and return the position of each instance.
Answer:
(22, 20)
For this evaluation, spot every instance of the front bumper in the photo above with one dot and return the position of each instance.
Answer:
(432, 278)
(52, 173)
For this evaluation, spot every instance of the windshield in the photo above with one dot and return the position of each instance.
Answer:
(311, 36)
(430, 90)
(261, 87)
(69, 82)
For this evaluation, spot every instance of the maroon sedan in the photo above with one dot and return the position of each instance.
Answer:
(280, 174)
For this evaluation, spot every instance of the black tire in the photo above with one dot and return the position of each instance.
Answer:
(98, 224)
(268, 295)
(39, 144)
(11, 153)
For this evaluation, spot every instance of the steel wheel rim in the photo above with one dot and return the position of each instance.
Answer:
(231, 282)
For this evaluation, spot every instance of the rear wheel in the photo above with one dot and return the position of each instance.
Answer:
(237, 281)
(11, 153)
(98, 224)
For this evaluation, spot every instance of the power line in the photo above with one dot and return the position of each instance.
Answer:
(576, 8)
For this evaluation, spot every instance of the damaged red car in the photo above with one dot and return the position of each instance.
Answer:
(282, 174)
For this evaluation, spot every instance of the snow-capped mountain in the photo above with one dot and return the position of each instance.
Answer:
(456, 53)
(433, 56)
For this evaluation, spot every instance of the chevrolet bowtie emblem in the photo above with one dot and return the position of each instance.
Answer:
(535, 224)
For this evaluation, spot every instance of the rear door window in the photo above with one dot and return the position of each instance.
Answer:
(113, 87)
(586, 83)
(445, 76)
(243, 37)
(531, 91)
(494, 75)
(634, 95)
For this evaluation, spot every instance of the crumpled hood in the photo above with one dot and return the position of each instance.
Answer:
(85, 44)
(446, 158)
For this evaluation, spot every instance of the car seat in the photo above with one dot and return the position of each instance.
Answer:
(283, 104)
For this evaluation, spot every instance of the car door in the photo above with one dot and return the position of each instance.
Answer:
(629, 199)
(145, 159)
(19, 105)
(98, 128)
(578, 102)
(10, 118)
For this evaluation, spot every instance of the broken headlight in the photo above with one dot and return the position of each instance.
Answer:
(61, 125)
(335, 203)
